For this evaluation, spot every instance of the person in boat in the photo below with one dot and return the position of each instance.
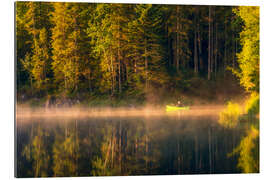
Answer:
(179, 103)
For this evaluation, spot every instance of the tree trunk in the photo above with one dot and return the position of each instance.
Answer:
(225, 46)
(168, 44)
(89, 81)
(200, 50)
(65, 83)
(212, 41)
(119, 61)
(233, 53)
(113, 76)
(126, 72)
(177, 38)
(209, 44)
(76, 63)
(135, 66)
(216, 50)
(119, 75)
(195, 49)
(146, 64)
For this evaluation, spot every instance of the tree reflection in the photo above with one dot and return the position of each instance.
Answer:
(37, 153)
(248, 151)
(125, 149)
(103, 164)
(248, 148)
(132, 146)
(65, 153)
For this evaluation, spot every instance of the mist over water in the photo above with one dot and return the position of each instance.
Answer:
(195, 111)
(86, 142)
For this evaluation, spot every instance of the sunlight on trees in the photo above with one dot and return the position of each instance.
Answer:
(249, 57)
(122, 51)
(230, 117)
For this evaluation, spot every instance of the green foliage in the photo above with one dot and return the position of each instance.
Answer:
(27, 64)
(127, 51)
(64, 62)
(229, 117)
(40, 58)
(23, 44)
(147, 50)
(34, 25)
(253, 104)
(248, 58)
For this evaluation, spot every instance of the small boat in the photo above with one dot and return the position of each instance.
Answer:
(176, 108)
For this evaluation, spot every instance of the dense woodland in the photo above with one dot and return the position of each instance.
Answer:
(133, 52)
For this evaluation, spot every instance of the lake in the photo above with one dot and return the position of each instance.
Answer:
(152, 142)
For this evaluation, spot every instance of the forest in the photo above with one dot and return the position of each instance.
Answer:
(120, 54)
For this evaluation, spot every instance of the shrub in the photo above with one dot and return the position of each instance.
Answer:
(230, 116)
(253, 104)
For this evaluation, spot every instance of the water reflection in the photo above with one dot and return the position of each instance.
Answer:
(125, 146)
(247, 151)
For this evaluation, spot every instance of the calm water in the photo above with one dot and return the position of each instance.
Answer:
(125, 146)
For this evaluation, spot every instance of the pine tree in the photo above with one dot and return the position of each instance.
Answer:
(179, 27)
(70, 45)
(147, 44)
(37, 25)
(107, 31)
(40, 58)
(23, 44)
